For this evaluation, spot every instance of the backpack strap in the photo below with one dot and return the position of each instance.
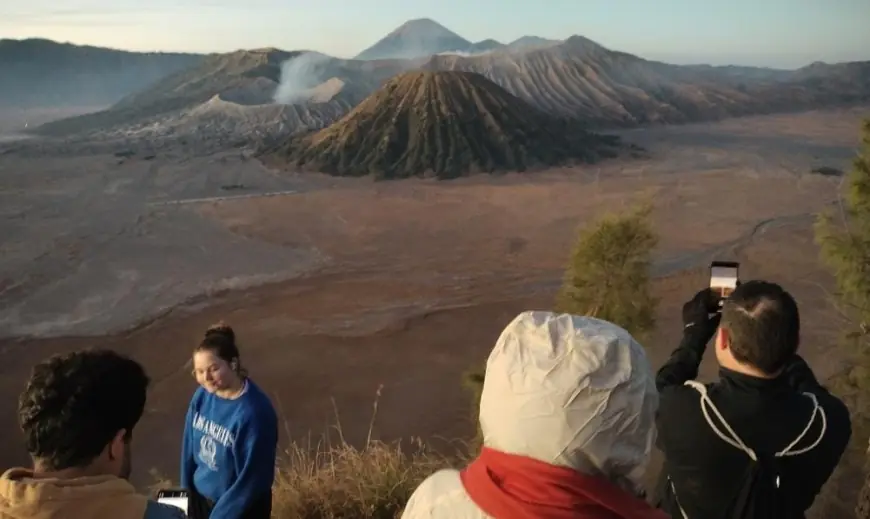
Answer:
(817, 410)
(733, 439)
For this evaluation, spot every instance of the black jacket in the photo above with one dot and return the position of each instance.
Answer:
(767, 414)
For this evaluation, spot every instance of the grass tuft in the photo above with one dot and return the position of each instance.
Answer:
(337, 480)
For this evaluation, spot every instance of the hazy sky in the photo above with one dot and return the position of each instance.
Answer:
(785, 33)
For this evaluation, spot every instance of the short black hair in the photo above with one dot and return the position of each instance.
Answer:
(75, 403)
(763, 325)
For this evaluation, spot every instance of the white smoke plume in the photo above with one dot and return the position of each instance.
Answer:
(299, 75)
(463, 53)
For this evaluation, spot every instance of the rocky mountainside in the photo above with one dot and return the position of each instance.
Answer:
(43, 73)
(572, 78)
(608, 88)
(249, 78)
(443, 124)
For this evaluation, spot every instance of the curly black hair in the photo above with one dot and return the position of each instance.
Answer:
(75, 403)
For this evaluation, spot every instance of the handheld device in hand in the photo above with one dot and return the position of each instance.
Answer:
(177, 497)
(723, 278)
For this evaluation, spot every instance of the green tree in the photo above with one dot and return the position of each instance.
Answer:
(843, 235)
(608, 277)
(844, 238)
(609, 273)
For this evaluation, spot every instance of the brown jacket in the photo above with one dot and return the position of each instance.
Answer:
(99, 497)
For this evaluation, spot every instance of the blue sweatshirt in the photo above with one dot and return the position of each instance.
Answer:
(229, 448)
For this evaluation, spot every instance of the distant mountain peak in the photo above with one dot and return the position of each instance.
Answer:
(532, 42)
(420, 24)
(415, 38)
(578, 42)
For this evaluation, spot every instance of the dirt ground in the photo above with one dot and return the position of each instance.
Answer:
(414, 280)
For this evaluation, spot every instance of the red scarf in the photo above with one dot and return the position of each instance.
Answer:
(508, 486)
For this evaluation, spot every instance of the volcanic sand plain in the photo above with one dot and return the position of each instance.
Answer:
(345, 286)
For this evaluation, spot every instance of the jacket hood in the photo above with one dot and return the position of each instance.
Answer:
(22, 496)
(571, 391)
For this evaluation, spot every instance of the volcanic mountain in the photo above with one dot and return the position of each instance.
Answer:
(424, 37)
(416, 39)
(575, 78)
(607, 88)
(445, 124)
(253, 78)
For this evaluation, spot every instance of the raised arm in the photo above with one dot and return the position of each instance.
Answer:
(700, 320)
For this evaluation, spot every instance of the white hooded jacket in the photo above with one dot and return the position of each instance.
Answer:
(570, 391)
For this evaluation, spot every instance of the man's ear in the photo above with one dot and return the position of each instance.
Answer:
(118, 445)
(723, 342)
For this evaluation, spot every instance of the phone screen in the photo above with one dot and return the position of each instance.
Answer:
(176, 501)
(723, 278)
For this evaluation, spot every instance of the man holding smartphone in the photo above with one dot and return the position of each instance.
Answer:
(762, 440)
(77, 414)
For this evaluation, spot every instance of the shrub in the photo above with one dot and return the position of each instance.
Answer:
(609, 273)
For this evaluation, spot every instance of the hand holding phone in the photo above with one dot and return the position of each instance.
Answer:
(724, 278)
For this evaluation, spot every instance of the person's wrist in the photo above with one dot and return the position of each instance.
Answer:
(699, 329)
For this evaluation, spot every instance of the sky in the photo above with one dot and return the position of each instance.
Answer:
(778, 33)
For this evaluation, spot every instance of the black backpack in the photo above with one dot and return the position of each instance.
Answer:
(761, 496)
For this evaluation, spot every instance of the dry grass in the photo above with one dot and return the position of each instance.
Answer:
(337, 480)
(342, 481)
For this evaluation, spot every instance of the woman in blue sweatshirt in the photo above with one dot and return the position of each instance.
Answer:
(230, 435)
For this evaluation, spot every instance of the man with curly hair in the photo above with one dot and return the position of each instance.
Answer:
(77, 414)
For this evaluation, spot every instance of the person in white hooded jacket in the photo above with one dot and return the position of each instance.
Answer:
(567, 415)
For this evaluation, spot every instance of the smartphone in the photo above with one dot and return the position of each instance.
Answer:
(723, 278)
(179, 498)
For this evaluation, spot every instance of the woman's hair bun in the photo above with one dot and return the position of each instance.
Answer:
(221, 328)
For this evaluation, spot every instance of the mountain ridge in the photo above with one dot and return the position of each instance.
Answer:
(576, 77)
(41, 72)
(442, 124)
(422, 37)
